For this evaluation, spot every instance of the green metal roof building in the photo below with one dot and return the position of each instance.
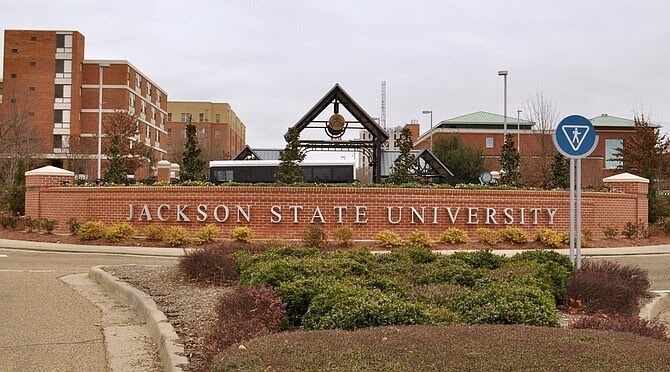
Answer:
(484, 120)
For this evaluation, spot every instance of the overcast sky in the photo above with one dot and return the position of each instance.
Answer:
(272, 60)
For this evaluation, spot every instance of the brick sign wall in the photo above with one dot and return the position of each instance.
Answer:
(285, 212)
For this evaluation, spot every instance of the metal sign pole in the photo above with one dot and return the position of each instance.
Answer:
(572, 211)
(578, 227)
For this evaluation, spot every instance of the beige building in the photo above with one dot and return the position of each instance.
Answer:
(221, 133)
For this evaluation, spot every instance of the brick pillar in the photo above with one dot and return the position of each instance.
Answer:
(42, 178)
(632, 184)
(163, 171)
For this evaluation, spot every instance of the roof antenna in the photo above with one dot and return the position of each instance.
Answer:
(382, 116)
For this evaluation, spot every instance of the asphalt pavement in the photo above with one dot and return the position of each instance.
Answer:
(44, 324)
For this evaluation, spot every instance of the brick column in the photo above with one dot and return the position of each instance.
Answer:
(163, 171)
(39, 179)
(632, 184)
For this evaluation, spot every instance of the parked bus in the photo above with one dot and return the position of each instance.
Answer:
(254, 171)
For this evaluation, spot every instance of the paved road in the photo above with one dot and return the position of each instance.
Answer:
(658, 267)
(45, 324)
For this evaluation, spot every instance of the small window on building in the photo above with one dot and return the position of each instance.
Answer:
(33, 38)
(169, 116)
(31, 114)
(15, 50)
(202, 132)
(158, 136)
(33, 63)
(13, 76)
(60, 41)
(58, 116)
(32, 89)
(201, 117)
(183, 133)
(149, 89)
(217, 134)
(185, 116)
(218, 118)
(12, 100)
(58, 141)
(489, 142)
(169, 133)
(613, 148)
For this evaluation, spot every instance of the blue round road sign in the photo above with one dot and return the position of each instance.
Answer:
(575, 137)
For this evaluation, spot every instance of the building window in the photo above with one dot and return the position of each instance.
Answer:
(147, 136)
(131, 104)
(158, 97)
(63, 92)
(13, 76)
(169, 133)
(201, 117)
(33, 63)
(489, 142)
(149, 90)
(64, 43)
(185, 116)
(31, 114)
(12, 100)
(158, 136)
(612, 157)
(15, 50)
(218, 118)
(32, 89)
(63, 68)
(33, 38)
(138, 82)
(169, 116)
(217, 134)
(183, 133)
(202, 132)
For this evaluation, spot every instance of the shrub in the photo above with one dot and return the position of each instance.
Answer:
(91, 230)
(348, 307)
(608, 287)
(644, 231)
(630, 230)
(488, 236)
(344, 237)
(209, 265)
(514, 235)
(610, 232)
(154, 232)
(417, 254)
(545, 257)
(388, 239)
(548, 276)
(49, 225)
(9, 221)
(176, 236)
(207, 234)
(629, 324)
(242, 234)
(419, 239)
(32, 224)
(508, 304)
(120, 232)
(586, 236)
(550, 238)
(244, 314)
(314, 237)
(446, 271)
(73, 224)
(454, 235)
(482, 259)
(298, 295)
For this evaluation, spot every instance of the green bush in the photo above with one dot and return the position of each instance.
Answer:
(242, 234)
(545, 257)
(207, 234)
(48, 225)
(73, 224)
(549, 276)
(91, 230)
(508, 304)
(348, 307)
(514, 235)
(630, 230)
(488, 236)
(446, 271)
(120, 232)
(176, 236)
(454, 235)
(417, 254)
(388, 239)
(419, 239)
(344, 237)
(32, 224)
(154, 232)
(9, 221)
(298, 295)
(610, 232)
(314, 237)
(482, 259)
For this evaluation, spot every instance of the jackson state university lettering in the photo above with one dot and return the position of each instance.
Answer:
(358, 214)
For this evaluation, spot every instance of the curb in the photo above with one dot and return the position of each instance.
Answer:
(171, 352)
(656, 306)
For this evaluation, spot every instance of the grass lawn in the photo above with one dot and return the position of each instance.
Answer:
(449, 348)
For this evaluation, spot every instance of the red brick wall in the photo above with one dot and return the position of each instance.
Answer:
(110, 204)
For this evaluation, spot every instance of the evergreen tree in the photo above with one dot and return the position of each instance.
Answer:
(643, 154)
(15, 198)
(509, 162)
(192, 165)
(465, 162)
(117, 172)
(289, 170)
(560, 172)
(119, 127)
(403, 171)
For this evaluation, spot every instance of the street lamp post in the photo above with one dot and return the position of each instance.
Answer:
(101, 65)
(431, 126)
(504, 73)
(518, 131)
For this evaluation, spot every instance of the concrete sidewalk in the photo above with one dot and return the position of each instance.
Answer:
(176, 252)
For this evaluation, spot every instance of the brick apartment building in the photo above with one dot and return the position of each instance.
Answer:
(485, 130)
(46, 72)
(220, 132)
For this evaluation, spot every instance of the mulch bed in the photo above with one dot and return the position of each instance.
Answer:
(188, 307)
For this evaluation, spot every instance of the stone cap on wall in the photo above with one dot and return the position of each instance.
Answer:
(50, 170)
(625, 177)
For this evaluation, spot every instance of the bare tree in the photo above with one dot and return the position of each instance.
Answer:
(18, 134)
(125, 152)
(543, 112)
